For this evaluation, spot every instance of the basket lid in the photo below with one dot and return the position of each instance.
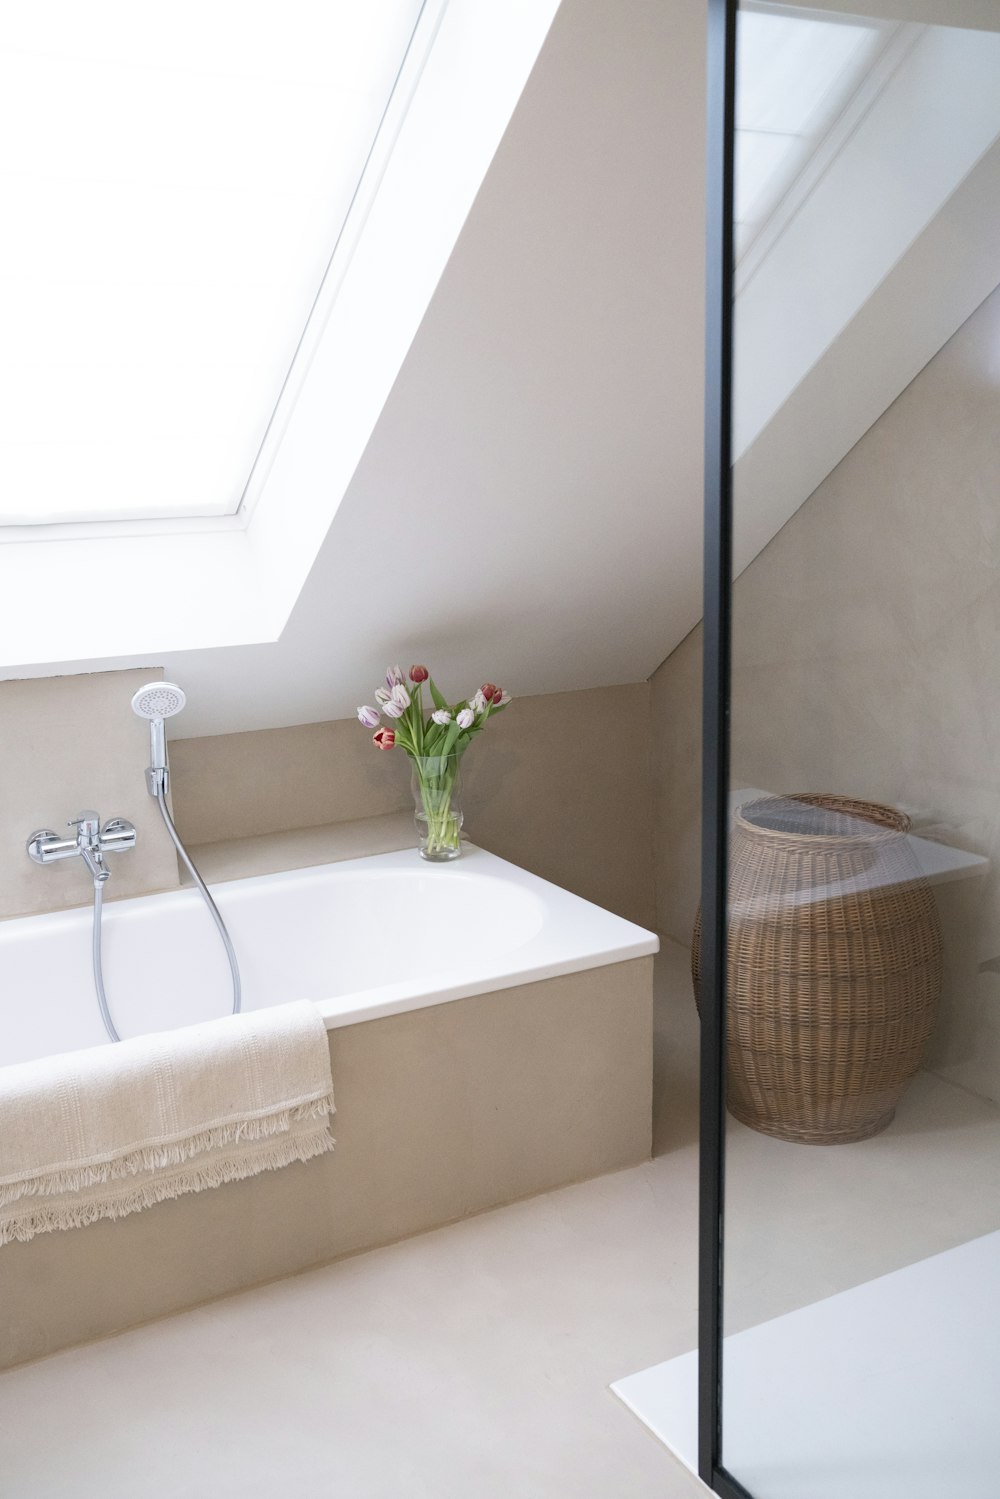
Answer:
(822, 816)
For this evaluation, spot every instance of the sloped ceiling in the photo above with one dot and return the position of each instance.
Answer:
(528, 508)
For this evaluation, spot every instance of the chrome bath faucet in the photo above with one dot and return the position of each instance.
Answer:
(92, 843)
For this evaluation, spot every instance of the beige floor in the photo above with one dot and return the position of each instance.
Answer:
(474, 1362)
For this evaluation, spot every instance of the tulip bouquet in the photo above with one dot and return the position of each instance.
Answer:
(435, 744)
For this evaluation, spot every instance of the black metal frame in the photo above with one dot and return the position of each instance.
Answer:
(721, 68)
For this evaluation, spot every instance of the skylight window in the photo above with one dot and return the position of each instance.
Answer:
(796, 72)
(174, 181)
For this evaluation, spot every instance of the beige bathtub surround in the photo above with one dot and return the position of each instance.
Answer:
(560, 785)
(110, 1130)
(441, 1112)
(67, 744)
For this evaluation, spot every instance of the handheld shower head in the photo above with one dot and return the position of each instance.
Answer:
(155, 702)
(158, 700)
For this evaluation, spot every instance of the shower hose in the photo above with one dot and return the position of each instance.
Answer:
(216, 914)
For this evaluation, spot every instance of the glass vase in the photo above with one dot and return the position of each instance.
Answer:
(438, 807)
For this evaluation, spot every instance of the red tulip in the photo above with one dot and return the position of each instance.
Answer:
(419, 674)
(384, 738)
(489, 691)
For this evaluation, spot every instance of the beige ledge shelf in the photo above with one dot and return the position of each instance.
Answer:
(301, 848)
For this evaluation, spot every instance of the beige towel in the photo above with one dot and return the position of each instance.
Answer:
(107, 1131)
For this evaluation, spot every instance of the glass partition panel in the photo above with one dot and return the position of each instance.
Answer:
(862, 1223)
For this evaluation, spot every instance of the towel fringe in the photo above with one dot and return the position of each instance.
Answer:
(281, 1150)
(160, 1157)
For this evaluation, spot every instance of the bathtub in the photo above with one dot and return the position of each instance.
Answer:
(363, 938)
(490, 1037)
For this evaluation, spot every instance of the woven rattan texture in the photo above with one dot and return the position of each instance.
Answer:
(834, 966)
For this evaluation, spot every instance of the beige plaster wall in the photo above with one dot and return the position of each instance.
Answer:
(268, 780)
(563, 788)
(68, 744)
(559, 784)
(867, 660)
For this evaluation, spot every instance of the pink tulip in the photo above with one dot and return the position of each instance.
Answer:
(384, 738)
(489, 691)
(369, 717)
(419, 674)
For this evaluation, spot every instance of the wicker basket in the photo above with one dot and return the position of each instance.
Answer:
(834, 966)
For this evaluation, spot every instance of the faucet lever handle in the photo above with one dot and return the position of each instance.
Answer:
(88, 823)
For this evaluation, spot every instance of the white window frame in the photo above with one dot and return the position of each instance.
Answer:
(137, 590)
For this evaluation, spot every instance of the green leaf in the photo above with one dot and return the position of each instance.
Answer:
(449, 738)
(439, 701)
(416, 711)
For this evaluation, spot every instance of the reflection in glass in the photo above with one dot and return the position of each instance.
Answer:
(796, 74)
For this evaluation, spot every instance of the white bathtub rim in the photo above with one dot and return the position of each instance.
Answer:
(398, 999)
(598, 937)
